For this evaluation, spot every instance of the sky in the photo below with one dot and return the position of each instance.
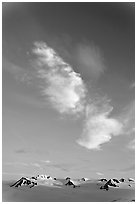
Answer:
(68, 83)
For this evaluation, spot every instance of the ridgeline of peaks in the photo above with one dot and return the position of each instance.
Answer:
(115, 182)
(49, 181)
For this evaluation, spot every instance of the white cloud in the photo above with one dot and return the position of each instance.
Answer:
(67, 93)
(35, 165)
(131, 145)
(99, 127)
(46, 161)
(100, 174)
(64, 87)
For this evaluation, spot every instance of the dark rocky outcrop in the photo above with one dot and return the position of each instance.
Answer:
(103, 179)
(67, 178)
(131, 180)
(116, 180)
(122, 180)
(24, 181)
(106, 187)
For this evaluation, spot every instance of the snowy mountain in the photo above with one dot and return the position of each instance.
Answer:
(25, 181)
(38, 180)
(117, 183)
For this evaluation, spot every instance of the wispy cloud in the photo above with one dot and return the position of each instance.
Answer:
(61, 166)
(99, 127)
(18, 72)
(10, 67)
(99, 173)
(64, 87)
(90, 58)
(128, 118)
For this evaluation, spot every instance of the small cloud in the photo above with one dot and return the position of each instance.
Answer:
(35, 165)
(63, 87)
(132, 85)
(21, 151)
(100, 174)
(131, 145)
(46, 161)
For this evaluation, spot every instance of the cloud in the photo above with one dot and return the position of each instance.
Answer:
(64, 88)
(99, 127)
(61, 166)
(132, 85)
(131, 145)
(100, 174)
(21, 151)
(46, 161)
(90, 59)
(128, 118)
(10, 67)
(35, 165)
(67, 92)
(18, 72)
